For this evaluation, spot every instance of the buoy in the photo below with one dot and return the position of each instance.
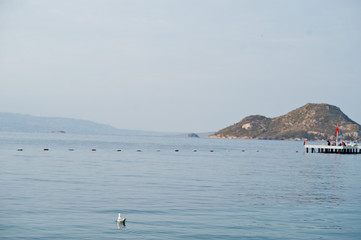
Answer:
(120, 219)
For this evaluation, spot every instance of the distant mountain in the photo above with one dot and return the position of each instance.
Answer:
(312, 122)
(12, 122)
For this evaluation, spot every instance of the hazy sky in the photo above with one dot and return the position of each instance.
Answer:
(178, 65)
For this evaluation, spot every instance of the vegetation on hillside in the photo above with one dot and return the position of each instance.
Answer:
(312, 122)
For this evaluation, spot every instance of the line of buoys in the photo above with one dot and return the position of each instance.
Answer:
(118, 150)
(138, 150)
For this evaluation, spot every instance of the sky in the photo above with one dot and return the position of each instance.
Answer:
(178, 65)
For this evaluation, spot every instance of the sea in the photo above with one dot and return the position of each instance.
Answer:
(174, 187)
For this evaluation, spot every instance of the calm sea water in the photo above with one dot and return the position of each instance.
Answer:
(242, 190)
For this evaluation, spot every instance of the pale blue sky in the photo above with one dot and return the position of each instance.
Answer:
(190, 65)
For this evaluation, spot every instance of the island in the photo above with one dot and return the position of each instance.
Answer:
(316, 122)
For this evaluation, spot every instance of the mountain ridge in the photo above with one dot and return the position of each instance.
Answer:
(312, 121)
(16, 122)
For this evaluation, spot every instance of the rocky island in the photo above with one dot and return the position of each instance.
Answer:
(312, 122)
(193, 135)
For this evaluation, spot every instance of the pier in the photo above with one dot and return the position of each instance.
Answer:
(348, 149)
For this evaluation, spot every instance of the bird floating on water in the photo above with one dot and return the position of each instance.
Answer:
(120, 219)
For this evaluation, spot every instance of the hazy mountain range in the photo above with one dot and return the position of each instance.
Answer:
(13, 122)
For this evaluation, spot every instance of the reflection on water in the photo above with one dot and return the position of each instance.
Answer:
(121, 225)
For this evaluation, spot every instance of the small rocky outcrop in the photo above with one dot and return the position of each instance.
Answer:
(193, 135)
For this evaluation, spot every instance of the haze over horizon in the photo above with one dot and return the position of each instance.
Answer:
(178, 66)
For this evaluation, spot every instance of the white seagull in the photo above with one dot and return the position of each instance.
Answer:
(120, 219)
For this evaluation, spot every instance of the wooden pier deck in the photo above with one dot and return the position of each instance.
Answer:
(333, 149)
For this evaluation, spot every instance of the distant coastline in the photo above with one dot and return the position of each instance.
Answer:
(15, 122)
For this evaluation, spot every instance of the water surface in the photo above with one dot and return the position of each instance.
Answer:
(242, 189)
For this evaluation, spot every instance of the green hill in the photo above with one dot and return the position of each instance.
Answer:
(312, 122)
